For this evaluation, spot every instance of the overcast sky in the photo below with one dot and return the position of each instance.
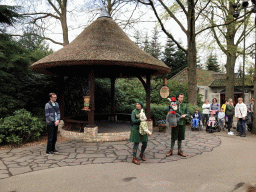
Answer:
(84, 12)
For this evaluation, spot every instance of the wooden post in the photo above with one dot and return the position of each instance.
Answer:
(91, 94)
(113, 105)
(147, 86)
(61, 96)
(148, 92)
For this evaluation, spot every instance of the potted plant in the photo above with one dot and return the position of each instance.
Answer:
(161, 125)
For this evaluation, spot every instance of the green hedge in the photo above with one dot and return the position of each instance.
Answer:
(21, 127)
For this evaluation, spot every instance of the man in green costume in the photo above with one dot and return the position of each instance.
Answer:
(135, 136)
(178, 133)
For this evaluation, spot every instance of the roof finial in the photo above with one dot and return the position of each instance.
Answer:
(104, 13)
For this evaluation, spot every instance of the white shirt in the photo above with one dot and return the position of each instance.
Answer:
(221, 115)
(240, 110)
(206, 108)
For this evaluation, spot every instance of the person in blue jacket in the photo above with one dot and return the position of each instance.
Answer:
(196, 118)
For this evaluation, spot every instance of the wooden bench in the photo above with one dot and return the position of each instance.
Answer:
(71, 122)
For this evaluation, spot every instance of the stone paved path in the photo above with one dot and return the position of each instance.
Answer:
(23, 160)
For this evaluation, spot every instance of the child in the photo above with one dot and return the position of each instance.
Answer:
(196, 118)
(221, 117)
(143, 124)
(212, 119)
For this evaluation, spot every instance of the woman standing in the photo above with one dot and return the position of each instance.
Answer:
(230, 114)
(135, 136)
(215, 106)
(206, 111)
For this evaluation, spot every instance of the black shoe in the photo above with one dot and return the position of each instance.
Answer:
(49, 152)
(239, 134)
(243, 135)
(55, 151)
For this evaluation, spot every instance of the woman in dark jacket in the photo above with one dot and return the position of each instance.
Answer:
(135, 136)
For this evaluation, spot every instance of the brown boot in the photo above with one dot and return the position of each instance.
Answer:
(142, 157)
(135, 161)
(181, 153)
(170, 153)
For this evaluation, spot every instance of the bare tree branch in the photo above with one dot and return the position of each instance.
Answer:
(164, 30)
(181, 5)
(202, 9)
(172, 15)
(55, 9)
(44, 38)
(48, 14)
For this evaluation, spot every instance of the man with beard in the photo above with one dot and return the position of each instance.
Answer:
(178, 132)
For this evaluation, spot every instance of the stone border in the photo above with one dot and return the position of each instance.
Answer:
(91, 134)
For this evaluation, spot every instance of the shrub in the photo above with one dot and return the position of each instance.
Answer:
(158, 113)
(21, 127)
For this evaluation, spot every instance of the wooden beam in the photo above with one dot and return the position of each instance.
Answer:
(148, 93)
(91, 78)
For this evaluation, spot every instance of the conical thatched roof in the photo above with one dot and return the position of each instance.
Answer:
(104, 47)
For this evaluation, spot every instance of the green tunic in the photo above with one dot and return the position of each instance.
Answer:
(135, 136)
(179, 131)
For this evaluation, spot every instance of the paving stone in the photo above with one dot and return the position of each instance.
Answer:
(3, 176)
(89, 155)
(16, 171)
(39, 168)
(4, 171)
(104, 160)
(13, 165)
(71, 153)
(2, 166)
(122, 153)
(56, 157)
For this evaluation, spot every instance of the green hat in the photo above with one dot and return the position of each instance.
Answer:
(179, 95)
(140, 102)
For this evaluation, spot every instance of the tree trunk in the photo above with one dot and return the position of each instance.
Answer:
(191, 54)
(230, 67)
(231, 54)
(63, 20)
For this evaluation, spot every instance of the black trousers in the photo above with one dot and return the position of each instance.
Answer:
(52, 137)
(230, 121)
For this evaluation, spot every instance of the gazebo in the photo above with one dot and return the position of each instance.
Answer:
(102, 50)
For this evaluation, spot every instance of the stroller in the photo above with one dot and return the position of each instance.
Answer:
(213, 124)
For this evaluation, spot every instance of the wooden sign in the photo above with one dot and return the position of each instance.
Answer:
(164, 92)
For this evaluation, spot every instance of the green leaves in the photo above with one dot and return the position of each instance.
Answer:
(21, 127)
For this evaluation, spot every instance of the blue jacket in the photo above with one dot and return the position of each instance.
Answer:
(50, 113)
(199, 115)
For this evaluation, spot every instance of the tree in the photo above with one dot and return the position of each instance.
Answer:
(9, 14)
(188, 8)
(145, 44)
(174, 58)
(59, 11)
(226, 32)
(155, 46)
(212, 63)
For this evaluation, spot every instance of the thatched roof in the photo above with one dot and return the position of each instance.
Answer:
(104, 47)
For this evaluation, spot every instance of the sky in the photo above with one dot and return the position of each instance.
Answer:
(84, 12)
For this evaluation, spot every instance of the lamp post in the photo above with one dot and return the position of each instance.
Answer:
(236, 15)
(236, 7)
(254, 82)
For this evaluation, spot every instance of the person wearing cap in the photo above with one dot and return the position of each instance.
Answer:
(135, 136)
(178, 132)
